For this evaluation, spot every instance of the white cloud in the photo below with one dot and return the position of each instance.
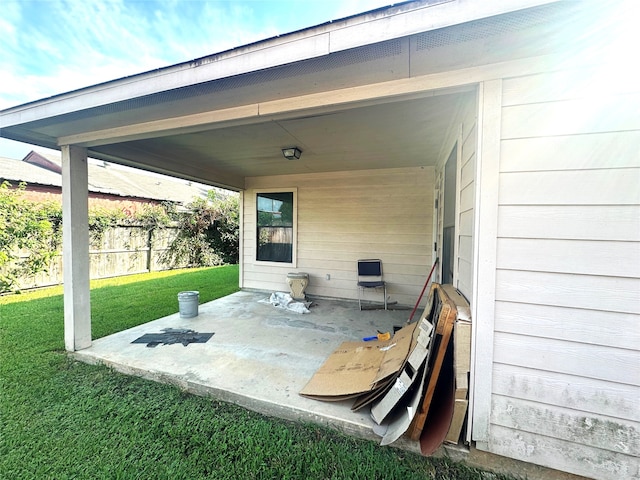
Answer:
(8, 20)
(57, 46)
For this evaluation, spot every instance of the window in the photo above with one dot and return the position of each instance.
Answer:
(275, 226)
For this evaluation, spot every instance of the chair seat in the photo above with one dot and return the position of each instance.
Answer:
(371, 284)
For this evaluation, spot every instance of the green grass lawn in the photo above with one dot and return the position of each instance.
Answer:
(61, 419)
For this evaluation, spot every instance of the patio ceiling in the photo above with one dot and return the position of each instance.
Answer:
(402, 133)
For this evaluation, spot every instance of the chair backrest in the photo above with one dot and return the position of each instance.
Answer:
(370, 268)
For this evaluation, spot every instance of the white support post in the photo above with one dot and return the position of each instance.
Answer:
(75, 248)
(485, 253)
(241, 242)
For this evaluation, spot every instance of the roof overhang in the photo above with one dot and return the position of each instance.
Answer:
(367, 91)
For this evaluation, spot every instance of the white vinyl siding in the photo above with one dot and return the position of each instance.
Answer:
(464, 138)
(466, 203)
(345, 216)
(566, 377)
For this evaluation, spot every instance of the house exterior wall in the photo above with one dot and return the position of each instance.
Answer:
(345, 216)
(548, 251)
(464, 138)
(565, 377)
(466, 203)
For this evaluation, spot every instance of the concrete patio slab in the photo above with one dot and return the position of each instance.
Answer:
(259, 357)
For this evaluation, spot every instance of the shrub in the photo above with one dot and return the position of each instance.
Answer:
(31, 232)
(29, 227)
(208, 234)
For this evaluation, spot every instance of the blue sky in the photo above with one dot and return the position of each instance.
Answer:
(54, 46)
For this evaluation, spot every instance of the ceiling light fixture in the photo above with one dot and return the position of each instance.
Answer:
(291, 153)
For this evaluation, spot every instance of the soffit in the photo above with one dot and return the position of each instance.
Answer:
(399, 134)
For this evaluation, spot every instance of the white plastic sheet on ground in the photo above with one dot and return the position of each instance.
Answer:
(284, 300)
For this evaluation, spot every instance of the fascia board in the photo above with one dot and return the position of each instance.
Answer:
(210, 68)
(430, 17)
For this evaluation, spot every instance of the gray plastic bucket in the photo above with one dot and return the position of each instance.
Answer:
(188, 304)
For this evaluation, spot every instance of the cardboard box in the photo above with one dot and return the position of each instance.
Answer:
(462, 357)
(457, 421)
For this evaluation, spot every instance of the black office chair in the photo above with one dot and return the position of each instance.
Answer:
(370, 276)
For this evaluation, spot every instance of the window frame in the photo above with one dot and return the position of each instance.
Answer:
(294, 245)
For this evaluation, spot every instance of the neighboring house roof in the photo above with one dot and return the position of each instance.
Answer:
(45, 169)
(15, 171)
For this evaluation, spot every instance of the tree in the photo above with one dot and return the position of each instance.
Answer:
(225, 236)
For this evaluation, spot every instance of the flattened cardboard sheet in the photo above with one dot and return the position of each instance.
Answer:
(356, 367)
(420, 340)
(399, 422)
(396, 352)
(404, 382)
(379, 389)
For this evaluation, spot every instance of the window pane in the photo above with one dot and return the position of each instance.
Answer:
(275, 209)
(275, 227)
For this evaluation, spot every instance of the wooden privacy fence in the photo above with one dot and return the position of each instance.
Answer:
(120, 250)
